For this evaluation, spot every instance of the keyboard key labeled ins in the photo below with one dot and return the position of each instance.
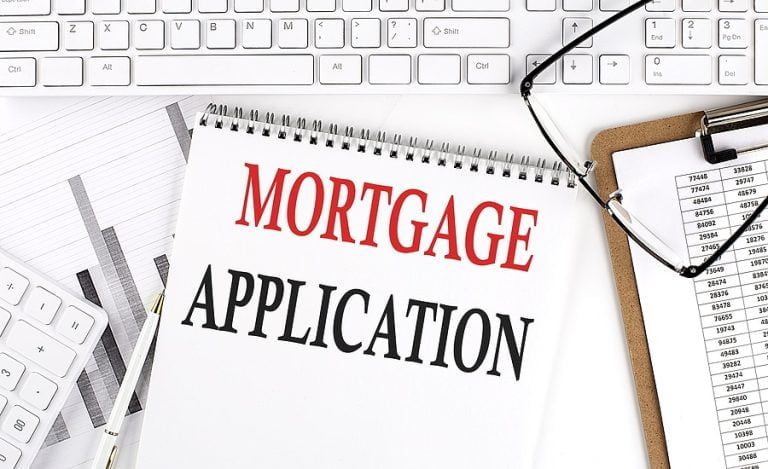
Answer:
(20, 424)
(40, 348)
(9, 455)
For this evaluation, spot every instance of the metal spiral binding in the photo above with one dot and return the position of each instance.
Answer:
(490, 164)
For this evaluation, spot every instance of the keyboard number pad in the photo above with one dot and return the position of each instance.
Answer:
(20, 424)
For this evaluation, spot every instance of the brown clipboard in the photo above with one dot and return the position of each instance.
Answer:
(604, 145)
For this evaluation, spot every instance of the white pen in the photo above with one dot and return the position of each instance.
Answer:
(107, 451)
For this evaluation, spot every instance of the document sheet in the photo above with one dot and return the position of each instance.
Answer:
(335, 309)
(89, 192)
(708, 337)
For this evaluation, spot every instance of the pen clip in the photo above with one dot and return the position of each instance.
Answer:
(724, 119)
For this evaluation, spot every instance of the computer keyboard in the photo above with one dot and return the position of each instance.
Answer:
(47, 336)
(79, 47)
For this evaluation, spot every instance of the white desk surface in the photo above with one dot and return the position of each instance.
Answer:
(593, 420)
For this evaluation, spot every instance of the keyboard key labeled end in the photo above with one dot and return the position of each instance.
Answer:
(169, 70)
(678, 69)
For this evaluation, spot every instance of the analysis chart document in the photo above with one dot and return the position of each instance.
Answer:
(90, 193)
(708, 337)
(346, 308)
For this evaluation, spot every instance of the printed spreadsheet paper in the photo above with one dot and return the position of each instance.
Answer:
(708, 337)
(89, 194)
(221, 398)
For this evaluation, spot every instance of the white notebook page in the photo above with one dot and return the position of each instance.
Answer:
(708, 337)
(224, 399)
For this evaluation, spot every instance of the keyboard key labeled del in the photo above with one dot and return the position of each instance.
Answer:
(29, 36)
(74, 324)
(40, 348)
(733, 70)
(488, 69)
(20, 424)
(466, 32)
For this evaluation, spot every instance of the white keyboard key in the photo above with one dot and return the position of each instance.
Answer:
(389, 69)
(366, 32)
(577, 69)
(41, 348)
(257, 34)
(3, 403)
(402, 32)
(212, 6)
(110, 71)
(733, 33)
(25, 7)
(185, 34)
(661, 5)
(74, 324)
(105, 7)
(113, 35)
(465, 32)
(393, 5)
(739, 6)
(9, 455)
(733, 70)
(548, 77)
(575, 27)
(177, 6)
(488, 70)
(341, 69)
(224, 69)
(697, 33)
(439, 69)
(38, 391)
(70, 7)
(42, 304)
(660, 32)
(10, 372)
(329, 33)
(78, 35)
(285, 6)
(61, 71)
(20, 424)
(577, 5)
(480, 5)
(697, 5)
(250, 6)
(220, 34)
(21, 36)
(293, 34)
(613, 5)
(140, 6)
(357, 5)
(5, 317)
(540, 5)
(678, 69)
(149, 35)
(761, 52)
(761, 6)
(12, 284)
(430, 5)
(614, 69)
(17, 72)
(321, 5)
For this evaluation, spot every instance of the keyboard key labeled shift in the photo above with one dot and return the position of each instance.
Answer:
(466, 32)
(29, 36)
(40, 348)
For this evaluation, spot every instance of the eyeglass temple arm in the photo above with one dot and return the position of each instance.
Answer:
(527, 84)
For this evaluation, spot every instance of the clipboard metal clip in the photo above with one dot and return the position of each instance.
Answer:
(729, 118)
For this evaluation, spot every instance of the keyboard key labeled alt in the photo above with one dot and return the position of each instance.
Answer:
(74, 324)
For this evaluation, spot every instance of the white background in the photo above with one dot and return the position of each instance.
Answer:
(593, 419)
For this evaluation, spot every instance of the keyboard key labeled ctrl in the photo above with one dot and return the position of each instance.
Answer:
(17, 72)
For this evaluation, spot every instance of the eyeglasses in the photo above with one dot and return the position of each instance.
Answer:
(634, 229)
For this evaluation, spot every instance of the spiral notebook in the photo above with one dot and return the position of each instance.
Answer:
(337, 301)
